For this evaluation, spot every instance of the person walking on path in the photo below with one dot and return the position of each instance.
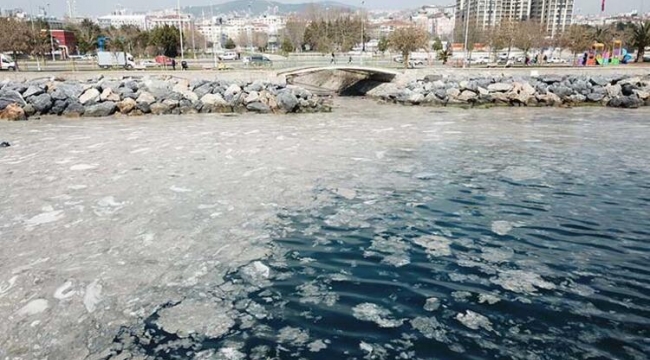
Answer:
(333, 61)
(174, 64)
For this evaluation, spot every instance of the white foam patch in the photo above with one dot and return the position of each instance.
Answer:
(82, 167)
(178, 189)
(520, 281)
(377, 314)
(501, 228)
(434, 245)
(474, 321)
(430, 328)
(45, 218)
(34, 307)
(93, 296)
(432, 304)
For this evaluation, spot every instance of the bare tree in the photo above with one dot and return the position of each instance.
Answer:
(528, 34)
(294, 31)
(408, 39)
(576, 38)
(260, 40)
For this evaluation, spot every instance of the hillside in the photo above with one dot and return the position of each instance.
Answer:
(259, 7)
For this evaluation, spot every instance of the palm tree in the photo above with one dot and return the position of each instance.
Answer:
(602, 34)
(640, 38)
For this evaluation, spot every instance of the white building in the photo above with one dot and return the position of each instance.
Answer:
(183, 20)
(119, 20)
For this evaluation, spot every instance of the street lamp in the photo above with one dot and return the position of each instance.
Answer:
(466, 33)
(51, 37)
(180, 29)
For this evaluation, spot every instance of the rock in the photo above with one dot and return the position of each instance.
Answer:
(560, 90)
(628, 89)
(432, 78)
(635, 81)
(550, 79)
(160, 109)
(182, 86)
(132, 85)
(614, 90)
(58, 94)
(171, 103)
(203, 90)
(627, 102)
(195, 83)
(13, 112)
(232, 90)
(257, 86)
(416, 98)
(42, 103)
(595, 97)
(126, 92)
(146, 97)
(550, 99)
(74, 109)
(109, 95)
(453, 92)
(89, 96)
(643, 95)
(441, 94)
(109, 85)
(578, 98)
(103, 109)
(258, 107)
(158, 88)
(58, 107)
(467, 96)
(29, 110)
(10, 97)
(287, 102)
(189, 96)
(213, 100)
(127, 105)
(33, 90)
(599, 81)
(438, 84)
(499, 87)
(71, 90)
(252, 97)
(143, 107)
(4, 144)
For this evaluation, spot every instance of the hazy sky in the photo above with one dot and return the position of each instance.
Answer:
(94, 7)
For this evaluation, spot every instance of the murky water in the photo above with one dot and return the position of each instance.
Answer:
(375, 232)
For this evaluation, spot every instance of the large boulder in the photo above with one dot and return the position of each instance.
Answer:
(126, 106)
(550, 79)
(58, 107)
(8, 96)
(89, 96)
(287, 102)
(252, 97)
(74, 109)
(42, 103)
(70, 89)
(126, 92)
(203, 89)
(258, 107)
(58, 94)
(614, 90)
(106, 108)
(13, 112)
(231, 91)
(499, 87)
(146, 97)
(595, 97)
(160, 108)
(33, 90)
(108, 95)
(467, 96)
(132, 85)
(214, 100)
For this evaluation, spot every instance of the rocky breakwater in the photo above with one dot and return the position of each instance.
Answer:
(101, 97)
(547, 90)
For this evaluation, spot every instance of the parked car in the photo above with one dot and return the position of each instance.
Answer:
(229, 55)
(483, 60)
(149, 63)
(257, 60)
(556, 60)
(7, 63)
(163, 60)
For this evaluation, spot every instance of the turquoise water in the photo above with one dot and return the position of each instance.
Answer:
(528, 242)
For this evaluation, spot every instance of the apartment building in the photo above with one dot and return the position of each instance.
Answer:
(554, 15)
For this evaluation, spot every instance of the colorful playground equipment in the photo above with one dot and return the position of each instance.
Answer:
(599, 55)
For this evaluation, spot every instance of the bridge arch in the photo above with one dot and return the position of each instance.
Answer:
(378, 74)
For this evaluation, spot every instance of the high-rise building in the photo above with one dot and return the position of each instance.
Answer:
(554, 15)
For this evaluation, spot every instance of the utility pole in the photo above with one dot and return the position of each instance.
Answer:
(31, 16)
(51, 37)
(467, 3)
(180, 29)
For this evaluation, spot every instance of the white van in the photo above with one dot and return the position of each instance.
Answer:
(228, 55)
(7, 63)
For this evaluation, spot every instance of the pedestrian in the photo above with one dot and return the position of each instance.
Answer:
(174, 64)
(527, 61)
(584, 59)
(333, 61)
(350, 60)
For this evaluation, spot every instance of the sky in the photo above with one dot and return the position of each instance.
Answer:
(94, 7)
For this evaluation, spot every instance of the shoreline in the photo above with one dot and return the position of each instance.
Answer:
(134, 95)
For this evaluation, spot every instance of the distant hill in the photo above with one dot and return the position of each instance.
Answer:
(259, 7)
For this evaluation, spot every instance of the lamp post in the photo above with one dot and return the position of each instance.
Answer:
(363, 33)
(180, 29)
(51, 37)
(31, 17)
(466, 33)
